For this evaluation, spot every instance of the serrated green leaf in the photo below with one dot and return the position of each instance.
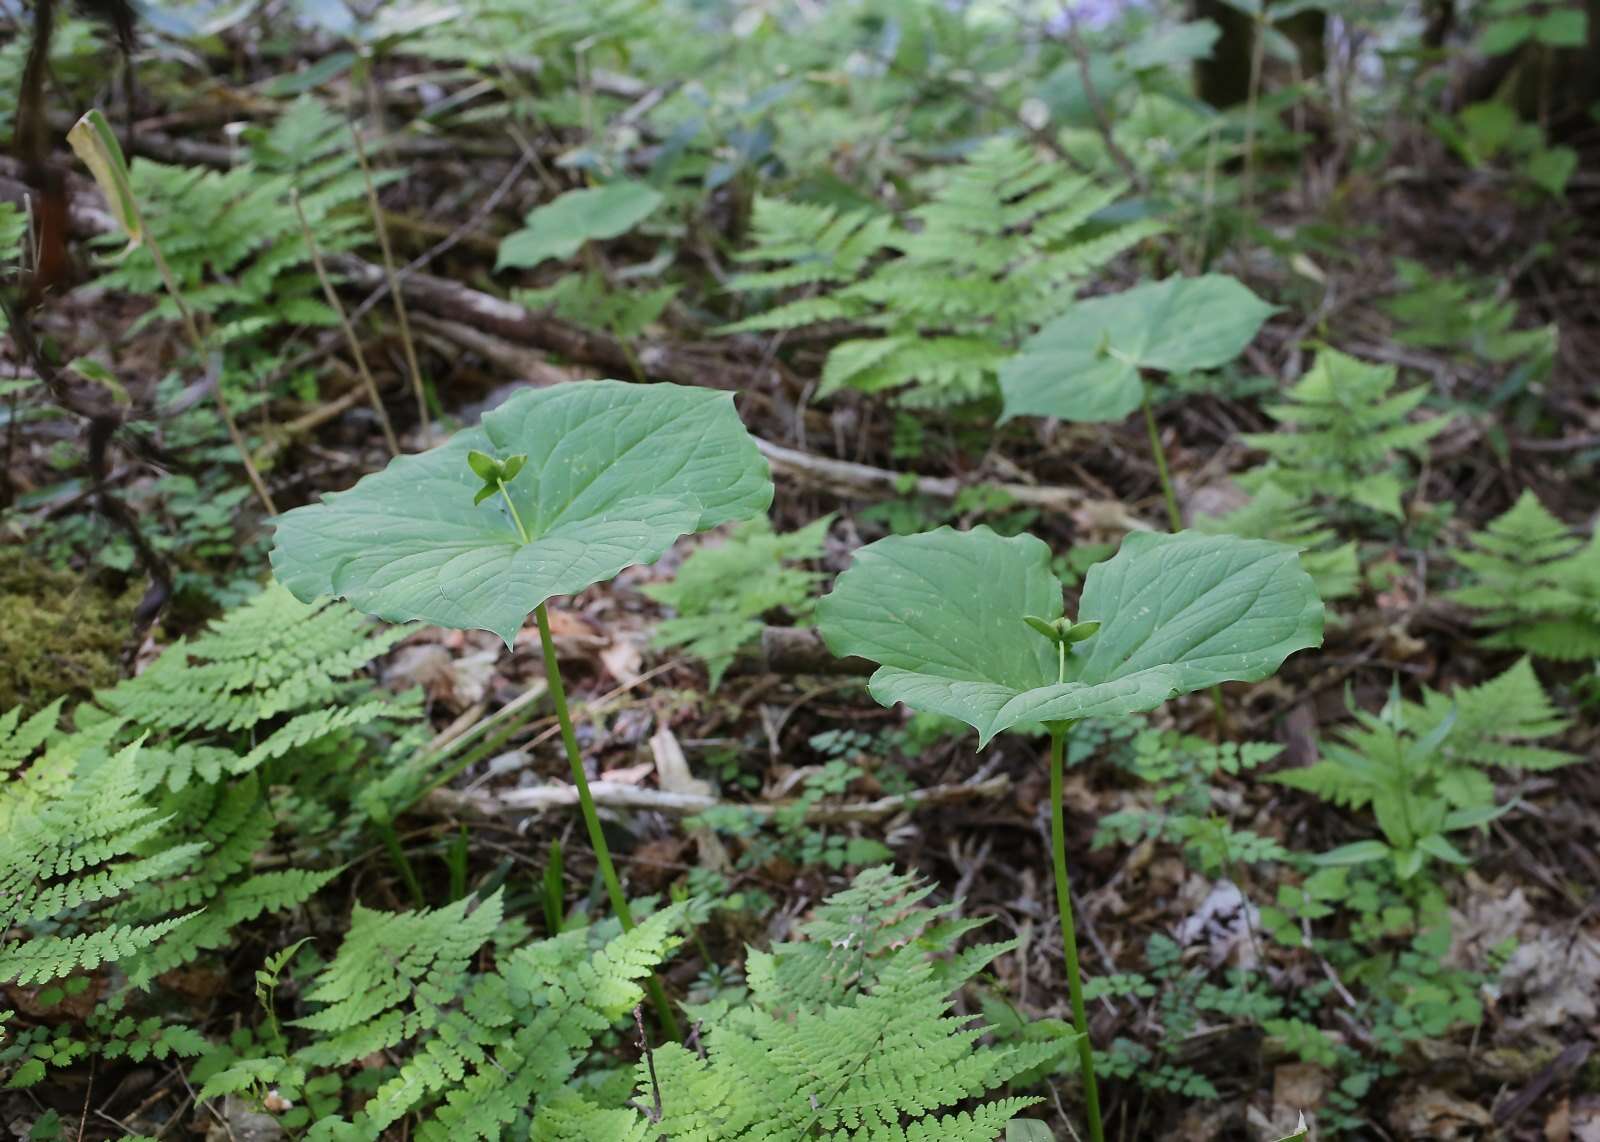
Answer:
(945, 614)
(559, 228)
(1085, 365)
(615, 473)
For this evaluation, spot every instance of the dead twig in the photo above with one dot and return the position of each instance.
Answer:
(619, 795)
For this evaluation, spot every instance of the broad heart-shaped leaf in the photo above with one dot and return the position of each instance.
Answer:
(559, 228)
(944, 614)
(1085, 365)
(615, 473)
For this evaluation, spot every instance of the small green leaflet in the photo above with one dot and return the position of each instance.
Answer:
(558, 229)
(1085, 365)
(96, 146)
(614, 474)
(952, 618)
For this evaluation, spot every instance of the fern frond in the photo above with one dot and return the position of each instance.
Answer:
(564, 995)
(1534, 581)
(1345, 430)
(721, 593)
(995, 251)
(1495, 719)
(45, 958)
(69, 850)
(19, 740)
(392, 974)
(271, 655)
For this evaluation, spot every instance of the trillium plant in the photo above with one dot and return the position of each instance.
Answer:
(972, 625)
(556, 490)
(1089, 364)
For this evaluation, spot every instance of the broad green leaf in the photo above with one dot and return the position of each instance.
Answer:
(1172, 46)
(559, 229)
(1029, 1130)
(1550, 168)
(615, 473)
(1503, 35)
(951, 617)
(1085, 365)
(1563, 28)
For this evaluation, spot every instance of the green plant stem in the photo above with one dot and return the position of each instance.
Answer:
(591, 817)
(1174, 517)
(1258, 49)
(402, 864)
(569, 739)
(1069, 938)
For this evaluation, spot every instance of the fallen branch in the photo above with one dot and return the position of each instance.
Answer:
(620, 795)
(847, 479)
(471, 313)
(487, 314)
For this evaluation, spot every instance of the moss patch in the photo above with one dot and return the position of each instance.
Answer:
(60, 633)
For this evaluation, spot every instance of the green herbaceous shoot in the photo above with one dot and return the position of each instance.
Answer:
(1087, 364)
(560, 228)
(971, 625)
(557, 489)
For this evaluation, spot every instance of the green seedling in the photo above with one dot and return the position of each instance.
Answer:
(972, 625)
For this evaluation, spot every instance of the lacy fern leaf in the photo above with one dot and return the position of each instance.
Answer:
(272, 656)
(848, 1033)
(232, 238)
(1535, 582)
(993, 254)
(1344, 430)
(393, 975)
(67, 854)
(721, 593)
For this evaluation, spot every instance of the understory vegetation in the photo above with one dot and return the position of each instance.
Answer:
(726, 571)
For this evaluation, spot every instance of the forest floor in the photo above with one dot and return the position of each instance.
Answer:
(662, 743)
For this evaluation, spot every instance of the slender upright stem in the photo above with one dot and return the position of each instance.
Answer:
(1069, 938)
(395, 293)
(591, 817)
(350, 337)
(1258, 49)
(192, 328)
(1174, 517)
